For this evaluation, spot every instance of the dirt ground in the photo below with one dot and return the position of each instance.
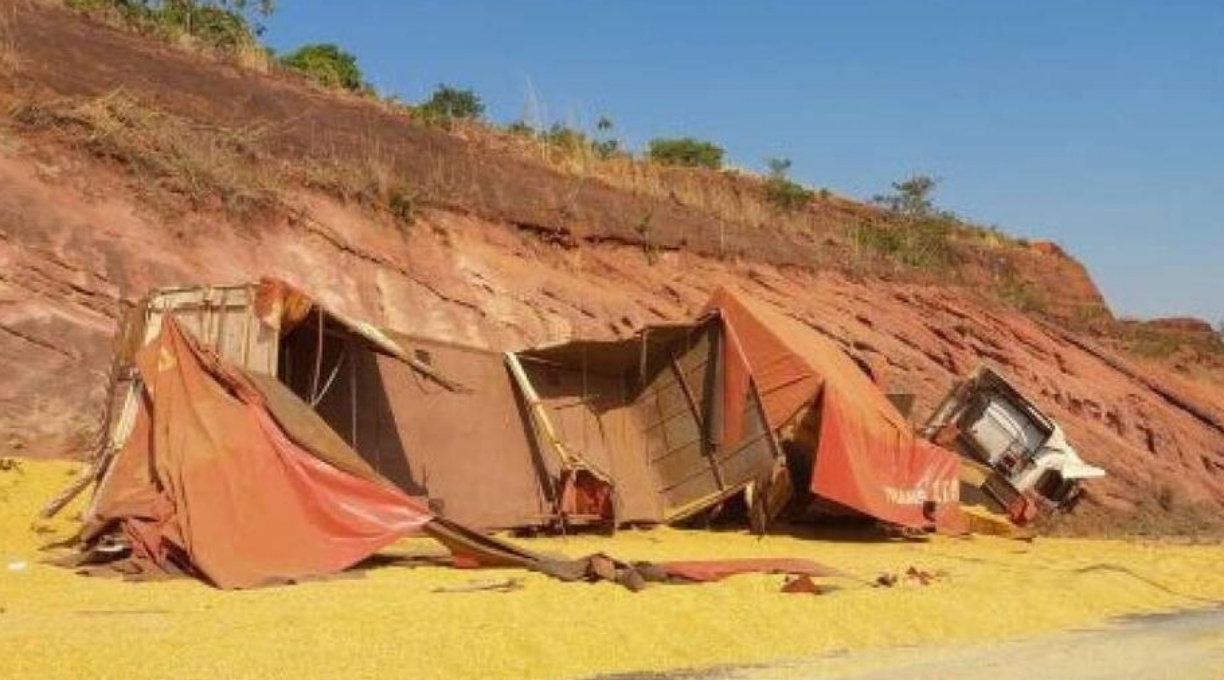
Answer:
(390, 622)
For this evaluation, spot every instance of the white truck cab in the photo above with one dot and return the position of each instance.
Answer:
(1028, 463)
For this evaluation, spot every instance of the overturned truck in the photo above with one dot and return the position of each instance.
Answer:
(217, 471)
(659, 427)
(742, 402)
(1017, 458)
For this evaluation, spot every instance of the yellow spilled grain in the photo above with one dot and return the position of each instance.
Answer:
(387, 623)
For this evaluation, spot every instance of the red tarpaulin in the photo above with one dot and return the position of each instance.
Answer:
(210, 483)
(229, 477)
(717, 570)
(867, 456)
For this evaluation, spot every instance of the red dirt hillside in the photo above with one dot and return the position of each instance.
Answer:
(127, 165)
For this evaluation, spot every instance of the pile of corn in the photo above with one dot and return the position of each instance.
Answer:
(389, 622)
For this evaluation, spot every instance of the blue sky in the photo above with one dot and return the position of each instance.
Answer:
(1099, 125)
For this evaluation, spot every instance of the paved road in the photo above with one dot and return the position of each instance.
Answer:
(1181, 646)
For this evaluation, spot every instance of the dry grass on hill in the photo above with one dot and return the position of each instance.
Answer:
(178, 165)
(164, 153)
(10, 60)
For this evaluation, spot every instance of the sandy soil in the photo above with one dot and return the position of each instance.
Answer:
(389, 622)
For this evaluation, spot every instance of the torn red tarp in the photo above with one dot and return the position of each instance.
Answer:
(229, 477)
(211, 484)
(717, 570)
(867, 456)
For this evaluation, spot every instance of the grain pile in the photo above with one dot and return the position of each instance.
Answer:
(388, 622)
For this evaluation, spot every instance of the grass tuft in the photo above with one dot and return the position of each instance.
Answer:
(220, 30)
(1021, 295)
(374, 183)
(925, 244)
(10, 61)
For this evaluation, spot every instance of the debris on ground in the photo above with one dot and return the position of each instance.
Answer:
(983, 521)
(911, 576)
(802, 585)
(504, 585)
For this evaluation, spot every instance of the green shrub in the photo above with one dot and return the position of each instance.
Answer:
(215, 26)
(224, 25)
(135, 14)
(402, 205)
(521, 129)
(327, 65)
(910, 197)
(877, 238)
(1090, 314)
(1151, 343)
(920, 244)
(687, 152)
(785, 194)
(1021, 295)
(924, 237)
(606, 148)
(780, 191)
(644, 228)
(930, 243)
(90, 5)
(605, 145)
(448, 103)
(575, 142)
(565, 138)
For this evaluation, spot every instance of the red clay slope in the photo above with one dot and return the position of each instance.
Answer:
(77, 234)
(62, 55)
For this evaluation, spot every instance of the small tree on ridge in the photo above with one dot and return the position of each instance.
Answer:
(326, 64)
(688, 152)
(450, 103)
